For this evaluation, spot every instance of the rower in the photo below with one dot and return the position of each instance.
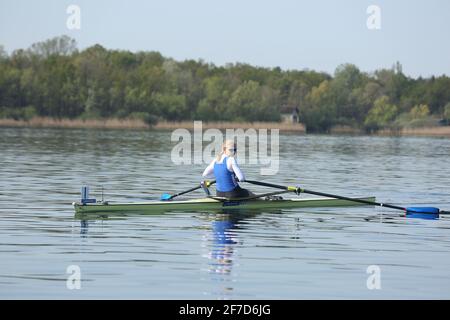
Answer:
(225, 170)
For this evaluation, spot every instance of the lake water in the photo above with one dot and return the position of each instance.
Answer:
(292, 254)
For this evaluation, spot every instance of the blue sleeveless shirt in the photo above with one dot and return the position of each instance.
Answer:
(224, 177)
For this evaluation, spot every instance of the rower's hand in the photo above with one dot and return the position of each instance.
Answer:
(297, 190)
(206, 183)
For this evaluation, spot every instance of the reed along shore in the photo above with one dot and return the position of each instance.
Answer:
(114, 123)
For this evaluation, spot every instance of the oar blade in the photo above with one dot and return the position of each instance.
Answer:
(429, 213)
(166, 197)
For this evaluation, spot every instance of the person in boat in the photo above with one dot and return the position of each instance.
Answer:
(225, 170)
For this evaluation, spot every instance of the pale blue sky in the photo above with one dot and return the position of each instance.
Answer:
(292, 34)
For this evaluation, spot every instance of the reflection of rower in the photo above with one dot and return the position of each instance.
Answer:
(223, 241)
(222, 244)
(84, 227)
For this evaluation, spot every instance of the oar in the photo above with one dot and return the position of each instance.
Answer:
(167, 197)
(410, 210)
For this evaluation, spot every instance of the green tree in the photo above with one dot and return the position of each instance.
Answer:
(62, 45)
(363, 98)
(381, 114)
(420, 111)
(319, 113)
(171, 106)
(94, 102)
(245, 102)
(3, 54)
(251, 102)
(437, 93)
(215, 99)
(297, 94)
(347, 79)
(447, 111)
(393, 82)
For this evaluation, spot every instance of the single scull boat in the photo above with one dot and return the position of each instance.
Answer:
(213, 204)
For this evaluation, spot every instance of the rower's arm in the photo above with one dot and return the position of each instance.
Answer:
(235, 168)
(209, 171)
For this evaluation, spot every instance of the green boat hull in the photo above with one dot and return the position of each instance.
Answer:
(208, 204)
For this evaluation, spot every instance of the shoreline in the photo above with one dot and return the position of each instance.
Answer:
(437, 131)
(43, 122)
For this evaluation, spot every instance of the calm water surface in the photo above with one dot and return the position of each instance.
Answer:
(290, 254)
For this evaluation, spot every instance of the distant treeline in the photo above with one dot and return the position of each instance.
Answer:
(54, 79)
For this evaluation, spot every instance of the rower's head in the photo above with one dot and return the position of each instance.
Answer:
(228, 148)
